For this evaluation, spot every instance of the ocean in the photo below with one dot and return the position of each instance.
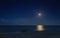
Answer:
(28, 31)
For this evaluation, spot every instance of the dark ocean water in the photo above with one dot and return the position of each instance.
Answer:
(16, 28)
(15, 31)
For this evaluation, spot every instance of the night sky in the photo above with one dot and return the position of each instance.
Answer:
(22, 12)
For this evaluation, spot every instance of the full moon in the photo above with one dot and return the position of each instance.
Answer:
(39, 14)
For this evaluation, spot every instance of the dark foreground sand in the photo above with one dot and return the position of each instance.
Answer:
(32, 34)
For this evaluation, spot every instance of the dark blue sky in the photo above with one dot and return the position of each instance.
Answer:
(16, 12)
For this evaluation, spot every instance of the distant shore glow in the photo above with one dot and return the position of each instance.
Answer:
(40, 28)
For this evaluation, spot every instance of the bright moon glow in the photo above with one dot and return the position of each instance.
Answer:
(40, 28)
(39, 14)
